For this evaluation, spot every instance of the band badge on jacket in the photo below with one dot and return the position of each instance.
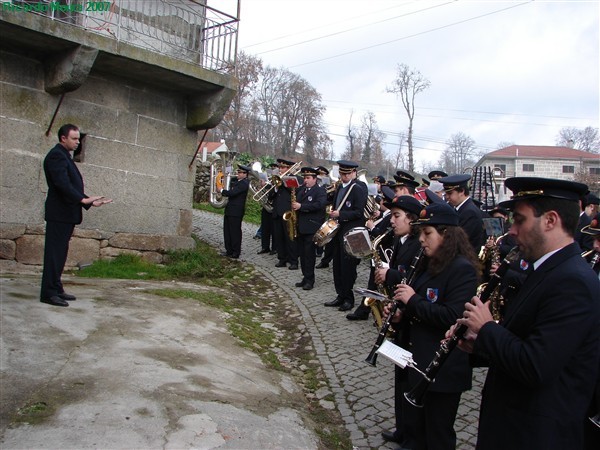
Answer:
(309, 198)
(523, 265)
(348, 204)
(432, 295)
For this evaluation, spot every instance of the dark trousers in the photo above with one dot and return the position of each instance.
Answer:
(267, 239)
(232, 235)
(432, 426)
(56, 249)
(327, 253)
(344, 271)
(306, 251)
(286, 248)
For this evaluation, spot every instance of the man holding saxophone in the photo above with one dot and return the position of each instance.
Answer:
(544, 353)
(282, 201)
(310, 203)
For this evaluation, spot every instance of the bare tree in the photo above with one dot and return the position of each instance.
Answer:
(352, 147)
(587, 139)
(407, 85)
(460, 153)
(371, 139)
(397, 158)
(504, 144)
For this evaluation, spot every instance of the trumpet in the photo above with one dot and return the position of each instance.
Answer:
(417, 394)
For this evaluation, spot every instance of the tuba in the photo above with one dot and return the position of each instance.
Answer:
(220, 177)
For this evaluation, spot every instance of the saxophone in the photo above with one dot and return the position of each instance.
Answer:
(291, 218)
(375, 305)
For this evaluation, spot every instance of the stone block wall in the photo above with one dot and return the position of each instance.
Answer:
(137, 152)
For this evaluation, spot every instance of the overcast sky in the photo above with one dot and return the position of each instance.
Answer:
(511, 71)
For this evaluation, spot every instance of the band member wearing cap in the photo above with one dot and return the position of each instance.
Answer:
(436, 175)
(376, 228)
(404, 210)
(310, 207)
(585, 241)
(234, 212)
(544, 354)
(348, 209)
(470, 216)
(379, 180)
(592, 202)
(435, 300)
(282, 202)
(404, 184)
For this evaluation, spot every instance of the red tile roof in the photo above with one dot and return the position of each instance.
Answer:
(541, 151)
(211, 146)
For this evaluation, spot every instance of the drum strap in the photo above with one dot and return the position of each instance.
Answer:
(345, 196)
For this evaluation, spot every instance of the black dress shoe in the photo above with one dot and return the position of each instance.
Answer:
(299, 284)
(225, 254)
(280, 264)
(234, 256)
(321, 266)
(260, 252)
(66, 296)
(346, 306)
(390, 436)
(307, 286)
(273, 252)
(336, 302)
(293, 267)
(355, 316)
(54, 300)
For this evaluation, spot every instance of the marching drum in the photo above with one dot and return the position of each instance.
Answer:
(326, 232)
(357, 243)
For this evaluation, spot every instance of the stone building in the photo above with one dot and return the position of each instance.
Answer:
(140, 80)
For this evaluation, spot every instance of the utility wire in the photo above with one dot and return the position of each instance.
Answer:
(411, 35)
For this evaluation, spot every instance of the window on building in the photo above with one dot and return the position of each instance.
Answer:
(594, 170)
(568, 169)
(527, 167)
(502, 167)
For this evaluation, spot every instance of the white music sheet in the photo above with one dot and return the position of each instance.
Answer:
(396, 354)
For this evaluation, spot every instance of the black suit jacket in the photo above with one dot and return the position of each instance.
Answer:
(65, 187)
(470, 219)
(437, 303)
(543, 358)
(352, 209)
(236, 205)
(585, 241)
(311, 214)
(402, 258)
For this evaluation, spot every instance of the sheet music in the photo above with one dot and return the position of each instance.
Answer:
(396, 354)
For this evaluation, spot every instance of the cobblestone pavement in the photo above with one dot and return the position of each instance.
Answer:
(364, 394)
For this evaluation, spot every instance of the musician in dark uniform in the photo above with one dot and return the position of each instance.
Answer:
(432, 302)
(234, 212)
(266, 217)
(404, 210)
(470, 216)
(310, 208)
(282, 202)
(404, 183)
(63, 210)
(349, 205)
(436, 175)
(544, 354)
(376, 228)
(585, 241)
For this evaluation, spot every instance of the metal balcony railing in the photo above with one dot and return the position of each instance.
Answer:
(189, 30)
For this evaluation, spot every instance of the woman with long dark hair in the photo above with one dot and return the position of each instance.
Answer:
(431, 305)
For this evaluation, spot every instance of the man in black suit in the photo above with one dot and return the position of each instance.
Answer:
(310, 203)
(349, 204)
(585, 241)
(544, 354)
(65, 199)
(470, 216)
(282, 203)
(234, 212)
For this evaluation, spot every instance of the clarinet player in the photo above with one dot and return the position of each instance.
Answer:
(544, 353)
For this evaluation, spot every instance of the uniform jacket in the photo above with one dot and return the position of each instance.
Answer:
(585, 241)
(402, 259)
(470, 220)
(236, 205)
(65, 187)
(311, 214)
(352, 210)
(437, 303)
(543, 358)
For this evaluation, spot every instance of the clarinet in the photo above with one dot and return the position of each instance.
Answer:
(416, 395)
(408, 279)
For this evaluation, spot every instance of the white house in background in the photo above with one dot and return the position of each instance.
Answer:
(538, 161)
